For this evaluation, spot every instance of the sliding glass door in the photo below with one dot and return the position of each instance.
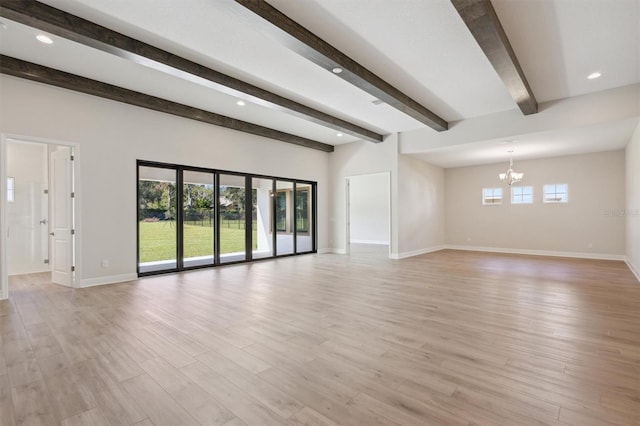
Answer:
(233, 218)
(198, 218)
(191, 217)
(304, 218)
(262, 216)
(284, 218)
(157, 228)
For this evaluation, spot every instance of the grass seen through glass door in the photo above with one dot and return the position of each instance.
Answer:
(157, 239)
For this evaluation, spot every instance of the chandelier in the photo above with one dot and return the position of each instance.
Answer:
(510, 177)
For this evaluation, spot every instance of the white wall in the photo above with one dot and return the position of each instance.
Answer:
(587, 225)
(632, 211)
(369, 208)
(421, 207)
(360, 158)
(113, 135)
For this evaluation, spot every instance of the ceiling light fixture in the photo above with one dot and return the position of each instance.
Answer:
(339, 134)
(594, 75)
(336, 70)
(44, 39)
(240, 103)
(510, 177)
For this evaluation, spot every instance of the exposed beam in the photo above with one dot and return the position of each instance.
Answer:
(482, 21)
(66, 25)
(42, 74)
(318, 51)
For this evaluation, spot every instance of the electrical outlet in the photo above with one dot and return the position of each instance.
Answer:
(590, 245)
(105, 263)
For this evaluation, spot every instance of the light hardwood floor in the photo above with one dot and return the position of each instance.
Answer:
(442, 339)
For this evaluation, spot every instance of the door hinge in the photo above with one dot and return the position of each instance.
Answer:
(73, 232)
(73, 195)
(46, 191)
(73, 269)
(72, 158)
(46, 261)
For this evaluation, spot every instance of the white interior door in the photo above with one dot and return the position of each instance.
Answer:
(62, 217)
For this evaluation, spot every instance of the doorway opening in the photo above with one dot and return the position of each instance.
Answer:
(38, 212)
(369, 214)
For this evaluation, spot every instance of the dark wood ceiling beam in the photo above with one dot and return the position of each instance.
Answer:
(66, 25)
(481, 19)
(291, 34)
(46, 75)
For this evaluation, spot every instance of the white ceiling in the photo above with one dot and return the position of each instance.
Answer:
(420, 46)
(19, 41)
(594, 138)
(560, 42)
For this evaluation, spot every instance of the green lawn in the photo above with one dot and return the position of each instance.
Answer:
(158, 240)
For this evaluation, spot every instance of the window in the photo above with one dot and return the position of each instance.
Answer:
(10, 189)
(522, 195)
(302, 210)
(555, 193)
(281, 211)
(491, 196)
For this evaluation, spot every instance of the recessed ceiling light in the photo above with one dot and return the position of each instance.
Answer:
(339, 134)
(594, 75)
(240, 103)
(44, 39)
(336, 70)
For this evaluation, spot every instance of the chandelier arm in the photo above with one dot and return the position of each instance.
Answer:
(511, 176)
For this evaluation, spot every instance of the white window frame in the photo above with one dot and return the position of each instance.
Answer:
(555, 200)
(11, 189)
(522, 195)
(493, 194)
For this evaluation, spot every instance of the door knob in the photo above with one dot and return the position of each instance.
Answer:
(52, 234)
(44, 221)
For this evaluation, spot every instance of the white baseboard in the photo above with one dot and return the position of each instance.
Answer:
(378, 242)
(111, 279)
(412, 253)
(332, 251)
(578, 255)
(633, 269)
(31, 271)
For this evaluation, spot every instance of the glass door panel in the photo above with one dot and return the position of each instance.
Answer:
(303, 219)
(27, 237)
(232, 218)
(284, 217)
(157, 230)
(198, 218)
(262, 191)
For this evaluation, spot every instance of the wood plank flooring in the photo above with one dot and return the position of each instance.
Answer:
(448, 338)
